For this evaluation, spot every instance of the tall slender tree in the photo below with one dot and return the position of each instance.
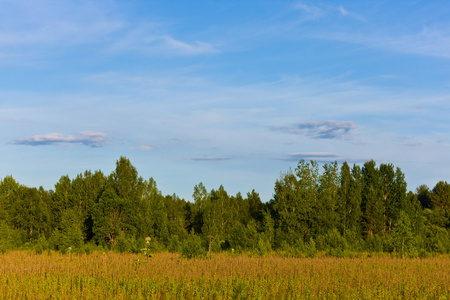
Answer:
(372, 200)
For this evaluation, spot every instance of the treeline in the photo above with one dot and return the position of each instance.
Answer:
(339, 209)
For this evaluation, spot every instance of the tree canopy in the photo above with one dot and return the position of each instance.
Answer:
(332, 207)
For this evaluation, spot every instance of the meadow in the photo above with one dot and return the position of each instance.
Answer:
(110, 275)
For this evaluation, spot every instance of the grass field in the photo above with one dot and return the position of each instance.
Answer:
(25, 275)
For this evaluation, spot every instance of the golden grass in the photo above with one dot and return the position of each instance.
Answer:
(24, 275)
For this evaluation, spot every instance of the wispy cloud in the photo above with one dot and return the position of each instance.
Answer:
(212, 158)
(311, 12)
(314, 12)
(342, 10)
(330, 129)
(147, 40)
(67, 23)
(46, 28)
(87, 138)
(144, 148)
(194, 48)
(317, 156)
(430, 41)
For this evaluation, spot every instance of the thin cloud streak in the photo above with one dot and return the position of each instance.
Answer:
(207, 158)
(144, 148)
(50, 28)
(432, 41)
(87, 138)
(317, 156)
(330, 129)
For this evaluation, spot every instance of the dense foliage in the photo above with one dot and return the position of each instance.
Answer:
(340, 210)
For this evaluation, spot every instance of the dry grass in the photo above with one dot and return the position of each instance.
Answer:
(24, 275)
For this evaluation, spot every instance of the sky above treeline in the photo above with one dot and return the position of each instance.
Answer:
(222, 92)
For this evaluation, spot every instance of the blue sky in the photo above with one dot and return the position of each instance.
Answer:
(223, 92)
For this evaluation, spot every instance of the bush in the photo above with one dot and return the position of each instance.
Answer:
(263, 247)
(71, 234)
(334, 240)
(9, 238)
(374, 243)
(123, 243)
(40, 245)
(192, 247)
(310, 248)
(174, 244)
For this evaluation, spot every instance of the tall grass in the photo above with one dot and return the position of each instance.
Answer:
(24, 275)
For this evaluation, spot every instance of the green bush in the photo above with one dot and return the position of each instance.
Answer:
(192, 247)
(263, 247)
(40, 245)
(334, 241)
(310, 248)
(70, 236)
(123, 244)
(9, 238)
(174, 244)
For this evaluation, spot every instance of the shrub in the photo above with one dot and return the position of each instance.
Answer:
(8, 237)
(263, 247)
(40, 245)
(123, 243)
(333, 239)
(174, 244)
(310, 248)
(192, 247)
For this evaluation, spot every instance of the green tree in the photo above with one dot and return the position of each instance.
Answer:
(154, 214)
(403, 238)
(126, 182)
(413, 209)
(86, 191)
(61, 200)
(326, 212)
(110, 216)
(295, 198)
(202, 200)
(349, 202)
(255, 206)
(424, 195)
(440, 196)
(117, 205)
(9, 238)
(293, 214)
(7, 186)
(372, 200)
(387, 189)
(176, 222)
(70, 237)
(193, 247)
(214, 214)
(29, 212)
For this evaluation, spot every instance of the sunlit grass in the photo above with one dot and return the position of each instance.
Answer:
(25, 275)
